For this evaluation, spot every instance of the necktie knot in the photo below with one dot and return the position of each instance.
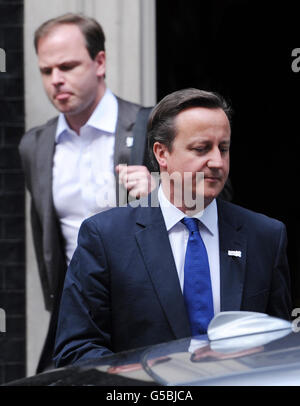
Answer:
(191, 224)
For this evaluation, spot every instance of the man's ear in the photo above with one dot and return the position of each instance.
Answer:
(161, 153)
(100, 59)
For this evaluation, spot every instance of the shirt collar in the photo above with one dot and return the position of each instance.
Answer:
(172, 215)
(104, 117)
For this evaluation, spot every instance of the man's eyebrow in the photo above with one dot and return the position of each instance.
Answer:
(200, 140)
(207, 141)
(72, 62)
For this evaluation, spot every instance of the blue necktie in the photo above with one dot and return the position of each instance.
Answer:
(197, 284)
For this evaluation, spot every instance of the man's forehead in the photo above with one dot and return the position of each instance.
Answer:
(203, 118)
(202, 112)
(67, 36)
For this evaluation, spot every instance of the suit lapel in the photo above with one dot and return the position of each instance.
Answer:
(155, 247)
(44, 159)
(232, 267)
(123, 131)
(139, 133)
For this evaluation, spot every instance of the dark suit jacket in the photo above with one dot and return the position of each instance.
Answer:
(37, 149)
(122, 290)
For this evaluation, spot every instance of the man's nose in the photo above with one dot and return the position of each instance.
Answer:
(215, 159)
(57, 77)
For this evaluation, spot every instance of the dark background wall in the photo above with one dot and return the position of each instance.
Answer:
(242, 49)
(12, 229)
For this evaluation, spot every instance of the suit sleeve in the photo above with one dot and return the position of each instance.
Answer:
(26, 151)
(279, 303)
(37, 236)
(84, 324)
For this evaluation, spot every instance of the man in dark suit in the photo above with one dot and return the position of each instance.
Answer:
(125, 286)
(70, 162)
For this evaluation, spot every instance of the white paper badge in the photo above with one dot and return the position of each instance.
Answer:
(235, 253)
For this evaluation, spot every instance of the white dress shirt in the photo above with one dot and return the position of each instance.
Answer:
(179, 235)
(83, 169)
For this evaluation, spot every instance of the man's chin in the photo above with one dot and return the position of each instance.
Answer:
(211, 192)
(64, 107)
(210, 196)
(61, 107)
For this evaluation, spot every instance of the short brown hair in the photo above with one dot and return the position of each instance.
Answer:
(90, 28)
(161, 126)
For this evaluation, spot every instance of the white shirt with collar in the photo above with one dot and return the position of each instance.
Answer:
(83, 169)
(178, 236)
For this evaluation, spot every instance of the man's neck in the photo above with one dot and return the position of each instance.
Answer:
(76, 121)
(191, 207)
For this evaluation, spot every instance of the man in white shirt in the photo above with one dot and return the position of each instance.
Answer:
(126, 286)
(73, 164)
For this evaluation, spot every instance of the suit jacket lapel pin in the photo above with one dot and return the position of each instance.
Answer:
(129, 142)
(235, 253)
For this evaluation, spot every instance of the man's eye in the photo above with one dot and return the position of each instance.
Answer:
(224, 149)
(201, 149)
(45, 71)
(67, 67)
